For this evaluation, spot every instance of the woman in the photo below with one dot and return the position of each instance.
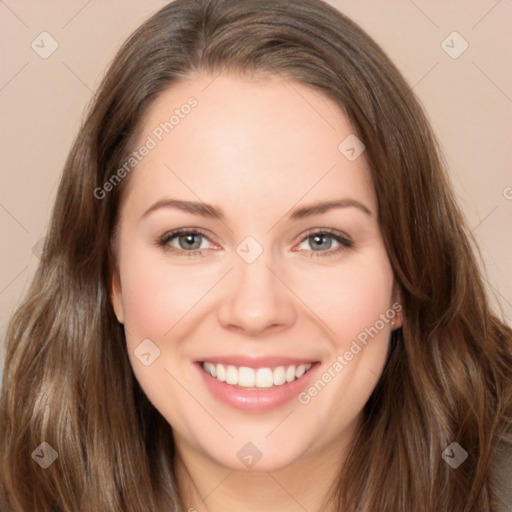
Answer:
(257, 289)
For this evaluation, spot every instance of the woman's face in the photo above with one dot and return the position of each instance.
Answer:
(279, 280)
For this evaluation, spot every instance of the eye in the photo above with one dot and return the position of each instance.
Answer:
(184, 242)
(190, 242)
(321, 242)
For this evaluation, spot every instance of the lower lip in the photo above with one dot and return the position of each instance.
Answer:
(253, 400)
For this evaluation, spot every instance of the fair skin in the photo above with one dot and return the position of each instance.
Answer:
(257, 150)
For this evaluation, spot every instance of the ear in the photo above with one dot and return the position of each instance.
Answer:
(116, 295)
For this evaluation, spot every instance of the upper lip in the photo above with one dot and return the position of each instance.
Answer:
(255, 361)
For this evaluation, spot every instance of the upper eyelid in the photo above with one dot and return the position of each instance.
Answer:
(175, 233)
(327, 231)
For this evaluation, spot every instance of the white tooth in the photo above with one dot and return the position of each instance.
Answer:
(299, 372)
(231, 375)
(209, 368)
(246, 377)
(221, 372)
(261, 378)
(264, 378)
(279, 376)
(290, 373)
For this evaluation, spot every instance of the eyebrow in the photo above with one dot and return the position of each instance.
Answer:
(213, 212)
(325, 206)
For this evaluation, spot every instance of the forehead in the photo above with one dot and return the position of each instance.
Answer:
(265, 140)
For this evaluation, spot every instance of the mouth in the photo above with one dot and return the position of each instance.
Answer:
(251, 386)
(247, 378)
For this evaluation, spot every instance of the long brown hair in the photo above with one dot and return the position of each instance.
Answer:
(68, 380)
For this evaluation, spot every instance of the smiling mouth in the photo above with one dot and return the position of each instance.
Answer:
(243, 377)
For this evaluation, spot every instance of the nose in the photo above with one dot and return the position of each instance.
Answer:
(255, 300)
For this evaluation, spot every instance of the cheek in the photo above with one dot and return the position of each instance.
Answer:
(351, 296)
(156, 296)
(357, 306)
(155, 299)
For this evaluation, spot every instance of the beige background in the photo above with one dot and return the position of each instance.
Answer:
(468, 99)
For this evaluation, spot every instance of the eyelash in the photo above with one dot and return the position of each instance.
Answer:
(163, 242)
